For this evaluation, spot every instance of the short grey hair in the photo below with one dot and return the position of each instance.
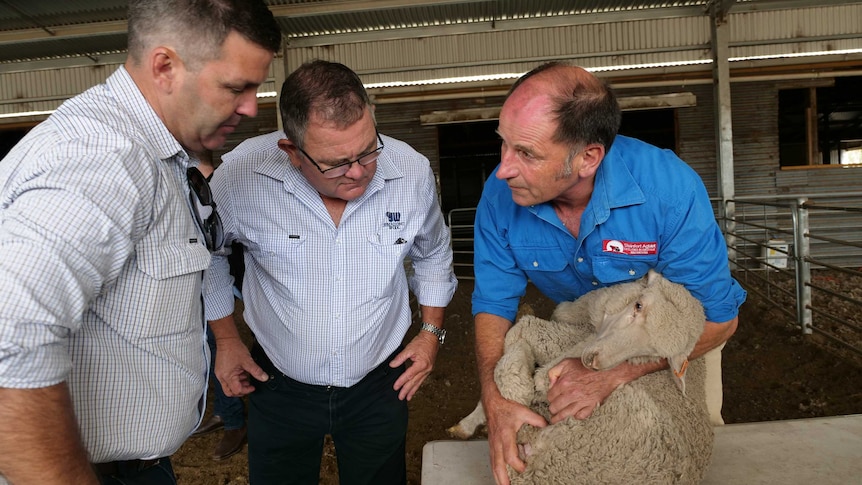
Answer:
(196, 29)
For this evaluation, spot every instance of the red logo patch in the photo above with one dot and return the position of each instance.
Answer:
(628, 247)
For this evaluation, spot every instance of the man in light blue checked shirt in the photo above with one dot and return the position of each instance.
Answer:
(105, 230)
(328, 212)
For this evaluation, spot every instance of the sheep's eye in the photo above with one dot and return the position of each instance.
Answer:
(638, 306)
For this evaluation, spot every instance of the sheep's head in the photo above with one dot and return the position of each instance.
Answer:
(647, 320)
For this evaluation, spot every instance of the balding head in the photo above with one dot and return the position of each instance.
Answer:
(584, 107)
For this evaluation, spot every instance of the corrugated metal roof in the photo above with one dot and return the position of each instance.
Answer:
(36, 30)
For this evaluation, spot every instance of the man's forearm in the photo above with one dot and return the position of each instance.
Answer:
(714, 334)
(40, 442)
(490, 342)
(433, 315)
(224, 328)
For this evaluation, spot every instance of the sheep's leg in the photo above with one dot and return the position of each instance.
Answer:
(514, 372)
(467, 427)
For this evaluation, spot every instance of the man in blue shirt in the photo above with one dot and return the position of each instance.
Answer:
(573, 207)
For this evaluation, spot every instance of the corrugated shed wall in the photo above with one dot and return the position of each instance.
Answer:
(663, 40)
(686, 39)
(755, 137)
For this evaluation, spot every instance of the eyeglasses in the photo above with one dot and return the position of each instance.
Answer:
(336, 171)
(204, 211)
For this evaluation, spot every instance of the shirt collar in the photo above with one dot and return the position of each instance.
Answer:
(154, 132)
(614, 186)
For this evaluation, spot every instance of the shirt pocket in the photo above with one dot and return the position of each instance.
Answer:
(540, 258)
(164, 260)
(283, 256)
(610, 270)
(388, 256)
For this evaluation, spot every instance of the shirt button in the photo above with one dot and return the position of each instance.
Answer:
(595, 283)
(535, 264)
(580, 260)
(632, 272)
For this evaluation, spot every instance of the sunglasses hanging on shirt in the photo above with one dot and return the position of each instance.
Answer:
(204, 209)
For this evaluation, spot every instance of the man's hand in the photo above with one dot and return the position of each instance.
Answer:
(422, 353)
(576, 390)
(504, 419)
(234, 365)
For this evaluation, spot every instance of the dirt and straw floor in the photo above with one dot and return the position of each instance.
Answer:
(771, 372)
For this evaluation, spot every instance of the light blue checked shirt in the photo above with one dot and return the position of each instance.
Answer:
(100, 272)
(328, 304)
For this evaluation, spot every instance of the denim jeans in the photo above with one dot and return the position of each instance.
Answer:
(159, 474)
(230, 409)
(288, 421)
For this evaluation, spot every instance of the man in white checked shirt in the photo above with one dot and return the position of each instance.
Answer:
(328, 214)
(102, 249)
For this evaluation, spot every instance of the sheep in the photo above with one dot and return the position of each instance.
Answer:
(654, 429)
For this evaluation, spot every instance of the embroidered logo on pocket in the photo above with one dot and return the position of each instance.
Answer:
(628, 247)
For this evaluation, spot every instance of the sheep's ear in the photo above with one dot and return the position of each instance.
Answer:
(678, 366)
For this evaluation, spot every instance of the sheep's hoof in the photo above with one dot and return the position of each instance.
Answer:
(459, 432)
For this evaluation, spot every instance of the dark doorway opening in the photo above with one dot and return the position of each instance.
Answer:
(9, 137)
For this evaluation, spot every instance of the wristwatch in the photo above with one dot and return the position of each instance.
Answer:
(439, 332)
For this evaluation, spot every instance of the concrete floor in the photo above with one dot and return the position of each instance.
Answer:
(824, 451)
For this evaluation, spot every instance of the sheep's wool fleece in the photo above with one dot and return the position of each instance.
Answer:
(646, 432)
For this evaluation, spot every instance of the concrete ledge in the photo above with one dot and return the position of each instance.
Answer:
(820, 450)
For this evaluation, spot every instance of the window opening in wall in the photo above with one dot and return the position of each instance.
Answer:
(655, 126)
(821, 125)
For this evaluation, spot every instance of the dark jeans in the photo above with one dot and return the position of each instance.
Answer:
(159, 474)
(230, 409)
(288, 421)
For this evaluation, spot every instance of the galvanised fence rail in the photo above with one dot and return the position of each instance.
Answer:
(803, 255)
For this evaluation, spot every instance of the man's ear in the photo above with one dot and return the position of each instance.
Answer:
(165, 66)
(593, 155)
(288, 147)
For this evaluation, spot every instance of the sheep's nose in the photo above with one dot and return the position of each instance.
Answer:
(589, 360)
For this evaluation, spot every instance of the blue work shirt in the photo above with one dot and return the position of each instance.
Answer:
(648, 209)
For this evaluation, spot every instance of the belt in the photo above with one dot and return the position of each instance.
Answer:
(124, 467)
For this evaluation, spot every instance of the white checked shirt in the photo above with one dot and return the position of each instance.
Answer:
(328, 304)
(101, 270)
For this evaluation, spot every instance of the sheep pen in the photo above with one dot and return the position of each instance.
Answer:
(770, 372)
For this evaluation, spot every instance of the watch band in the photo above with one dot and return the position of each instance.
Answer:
(440, 333)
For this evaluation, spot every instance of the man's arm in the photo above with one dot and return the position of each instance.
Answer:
(234, 364)
(576, 390)
(504, 417)
(40, 439)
